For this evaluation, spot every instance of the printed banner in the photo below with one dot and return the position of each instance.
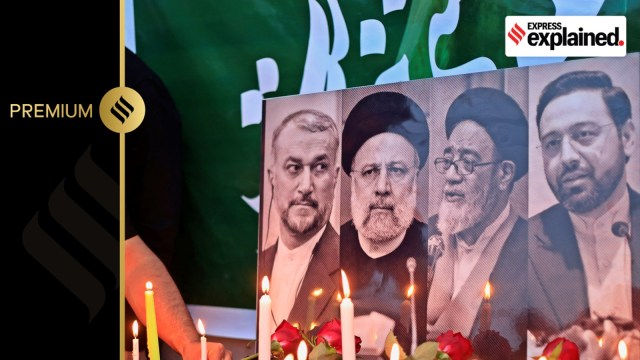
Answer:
(220, 60)
(497, 204)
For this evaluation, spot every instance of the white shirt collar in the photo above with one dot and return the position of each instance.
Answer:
(376, 250)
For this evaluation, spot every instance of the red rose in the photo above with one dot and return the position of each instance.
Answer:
(569, 351)
(455, 345)
(288, 336)
(331, 333)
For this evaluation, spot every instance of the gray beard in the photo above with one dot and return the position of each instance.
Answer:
(452, 220)
(304, 226)
(383, 227)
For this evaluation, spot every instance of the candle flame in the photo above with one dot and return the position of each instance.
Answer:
(395, 352)
(296, 325)
(302, 351)
(201, 327)
(289, 357)
(265, 285)
(542, 358)
(622, 350)
(487, 291)
(313, 325)
(339, 297)
(410, 291)
(316, 292)
(149, 285)
(345, 284)
(600, 342)
(135, 328)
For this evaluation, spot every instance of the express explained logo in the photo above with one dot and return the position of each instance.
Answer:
(565, 36)
(516, 34)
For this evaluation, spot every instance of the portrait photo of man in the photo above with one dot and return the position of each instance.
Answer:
(481, 236)
(302, 260)
(584, 248)
(383, 245)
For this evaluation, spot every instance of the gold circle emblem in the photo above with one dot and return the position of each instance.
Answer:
(122, 109)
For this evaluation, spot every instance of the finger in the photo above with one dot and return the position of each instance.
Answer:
(610, 327)
(228, 355)
(216, 351)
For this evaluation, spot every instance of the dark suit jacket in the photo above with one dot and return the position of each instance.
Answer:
(381, 284)
(323, 272)
(557, 283)
(509, 298)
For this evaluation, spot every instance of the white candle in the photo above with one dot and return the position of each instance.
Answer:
(622, 350)
(485, 309)
(346, 322)
(395, 352)
(136, 347)
(203, 340)
(264, 323)
(414, 329)
(302, 350)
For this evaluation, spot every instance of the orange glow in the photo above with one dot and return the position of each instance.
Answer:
(600, 342)
(316, 292)
(135, 328)
(201, 327)
(410, 291)
(622, 350)
(542, 358)
(339, 297)
(395, 352)
(302, 351)
(312, 326)
(149, 286)
(345, 284)
(265, 285)
(487, 291)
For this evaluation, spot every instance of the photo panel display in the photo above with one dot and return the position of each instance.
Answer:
(501, 205)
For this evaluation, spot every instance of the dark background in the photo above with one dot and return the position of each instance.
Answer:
(55, 52)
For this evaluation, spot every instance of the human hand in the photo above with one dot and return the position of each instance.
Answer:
(215, 351)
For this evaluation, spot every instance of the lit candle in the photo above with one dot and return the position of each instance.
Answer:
(485, 311)
(136, 348)
(152, 328)
(395, 352)
(346, 322)
(600, 342)
(311, 307)
(203, 341)
(622, 350)
(302, 351)
(264, 323)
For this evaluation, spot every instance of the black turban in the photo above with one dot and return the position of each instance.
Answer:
(501, 117)
(380, 113)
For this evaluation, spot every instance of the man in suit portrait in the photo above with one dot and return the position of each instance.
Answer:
(385, 145)
(585, 250)
(304, 261)
(481, 235)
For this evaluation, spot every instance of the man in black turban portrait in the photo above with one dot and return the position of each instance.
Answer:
(382, 249)
(483, 239)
